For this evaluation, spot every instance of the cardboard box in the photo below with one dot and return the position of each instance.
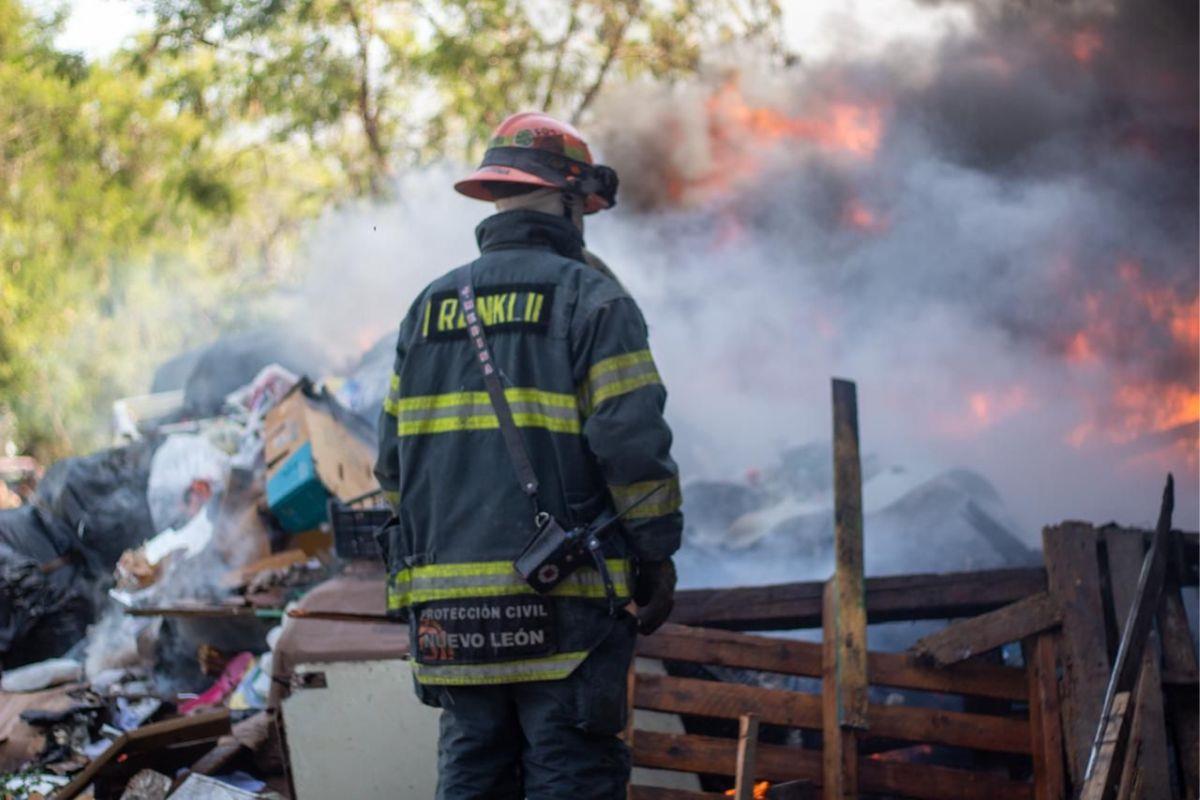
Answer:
(310, 455)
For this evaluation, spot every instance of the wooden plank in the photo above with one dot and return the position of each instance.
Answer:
(1140, 619)
(1102, 783)
(850, 609)
(747, 747)
(1183, 696)
(970, 637)
(789, 606)
(1147, 758)
(659, 793)
(201, 727)
(714, 756)
(839, 744)
(793, 790)
(1045, 726)
(804, 710)
(793, 657)
(1073, 574)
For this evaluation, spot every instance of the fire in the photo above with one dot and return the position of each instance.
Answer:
(855, 214)
(985, 408)
(843, 127)
(1154, 408)
(740, 135)
(1079, 349)
(760, 790)
(1136, 314)
(990, 407)
(1084, 45)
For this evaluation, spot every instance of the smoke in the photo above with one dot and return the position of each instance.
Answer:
(994, 235)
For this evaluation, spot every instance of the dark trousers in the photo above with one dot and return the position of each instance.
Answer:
(544, 740)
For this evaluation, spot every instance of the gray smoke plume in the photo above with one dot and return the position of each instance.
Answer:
(995, 237)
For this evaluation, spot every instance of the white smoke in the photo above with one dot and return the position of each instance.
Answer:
(1000, 196)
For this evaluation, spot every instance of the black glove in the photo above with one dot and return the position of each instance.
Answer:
(654, 593)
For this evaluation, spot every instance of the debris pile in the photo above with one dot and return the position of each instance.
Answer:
(142, 588)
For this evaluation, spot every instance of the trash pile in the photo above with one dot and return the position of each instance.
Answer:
(142, 588)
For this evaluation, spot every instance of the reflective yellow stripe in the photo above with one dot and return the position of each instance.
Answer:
(547, 668)
(494, 579)
(616, 376)
(391, 403)
(393, 499)
(666, 500)
(472, 411)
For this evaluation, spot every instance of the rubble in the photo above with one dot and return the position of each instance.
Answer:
(199, 612)
(141, 587)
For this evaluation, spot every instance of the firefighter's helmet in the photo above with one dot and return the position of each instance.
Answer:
(534, 149)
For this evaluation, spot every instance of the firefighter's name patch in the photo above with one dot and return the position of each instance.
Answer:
(484, 629)
(512, 307)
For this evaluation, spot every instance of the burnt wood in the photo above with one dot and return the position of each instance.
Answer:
(970, 637)
(1106, 771)
(839, 743)
(844, 606)
(203, 729)
(747, 748)
(793, 657)
(1146, 771)
(1139, 624)
(1182, 691)
(689, 696)
(1073, 572)
(714, 756)
(1045, 717)
(789, 606)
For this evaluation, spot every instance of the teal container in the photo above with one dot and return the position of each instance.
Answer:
(296, 495)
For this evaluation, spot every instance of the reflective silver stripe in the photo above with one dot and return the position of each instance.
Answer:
(484, 409)
(615, 376)
(550, 668)
(496, 579)
(623, 374)
(585, 576)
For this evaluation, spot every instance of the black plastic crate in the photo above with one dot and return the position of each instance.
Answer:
(354, 525)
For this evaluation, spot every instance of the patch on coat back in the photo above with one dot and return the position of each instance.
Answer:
(482, 630)
(520, 307)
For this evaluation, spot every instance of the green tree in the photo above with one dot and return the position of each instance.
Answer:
(95, 176)
(374, 85)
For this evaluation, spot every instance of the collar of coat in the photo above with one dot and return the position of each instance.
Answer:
(522, 228)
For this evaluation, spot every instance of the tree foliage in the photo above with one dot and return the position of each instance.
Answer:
(162, 191)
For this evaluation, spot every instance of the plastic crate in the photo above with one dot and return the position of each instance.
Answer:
(354, 525)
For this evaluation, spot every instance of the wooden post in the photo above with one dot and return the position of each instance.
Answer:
(1045, 725)
(1179, 658)
(844, 611)
(1139, 623)
(746, 753)
(1073, 575)
(1146, 772)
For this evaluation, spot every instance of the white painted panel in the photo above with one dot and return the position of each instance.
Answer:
(364, 737)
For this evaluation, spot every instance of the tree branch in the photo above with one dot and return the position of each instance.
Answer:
(614, 44)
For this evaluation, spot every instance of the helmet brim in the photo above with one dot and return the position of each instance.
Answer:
(475, 185)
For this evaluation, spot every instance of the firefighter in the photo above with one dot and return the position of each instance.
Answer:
(532, 686)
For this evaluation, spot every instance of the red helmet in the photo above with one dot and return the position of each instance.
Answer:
(534, 149)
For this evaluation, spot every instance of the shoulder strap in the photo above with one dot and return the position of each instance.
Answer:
(491, 380)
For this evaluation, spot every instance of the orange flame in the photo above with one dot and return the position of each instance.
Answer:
(1159, 410)
(739, 133)
(1084, 45)
(760, 790)
(855, 214)
(985, 408)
